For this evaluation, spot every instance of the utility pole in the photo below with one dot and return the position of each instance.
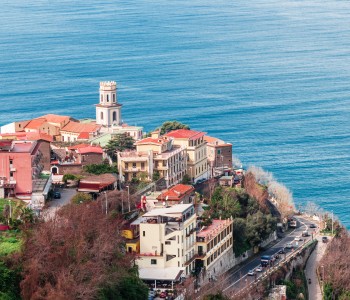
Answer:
(106, 202)
(332, 222)
(128, 197)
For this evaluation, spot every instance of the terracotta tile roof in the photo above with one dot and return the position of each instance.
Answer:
(90, 149)
(80, 127)
(83, 136)
(149, 140)
(51, 118)
(185, 134)
(35, 123)
(212, 140)
(39, 136)
(214, 229)
(78, 146)
(177, 192)
(33, 136)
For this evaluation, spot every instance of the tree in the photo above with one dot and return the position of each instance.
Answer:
(172, 125)
(186, 179)
(81, 198)
(79, 254)
(156, 175)
(99, 169)
(119, 143)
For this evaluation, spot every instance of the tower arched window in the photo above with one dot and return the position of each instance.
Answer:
(113, 97)
(114, 117)
(107, 98)
(101, 115)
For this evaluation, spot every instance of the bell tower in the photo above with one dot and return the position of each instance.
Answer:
(108, 111)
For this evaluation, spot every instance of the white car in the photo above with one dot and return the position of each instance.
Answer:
(259, 269)
(251, 273)
(298, 238)
(289, 246)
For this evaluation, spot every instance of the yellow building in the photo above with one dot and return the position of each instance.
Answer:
(193, 141)
(154, 154)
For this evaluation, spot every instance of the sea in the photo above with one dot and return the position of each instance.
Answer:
(271, 77)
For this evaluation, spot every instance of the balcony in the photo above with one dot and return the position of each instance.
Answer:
(12, 168)
(12, 181)
(132, 169)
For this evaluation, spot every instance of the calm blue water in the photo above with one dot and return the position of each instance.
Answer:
(272, 77)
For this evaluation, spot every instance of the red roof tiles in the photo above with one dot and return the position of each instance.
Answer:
(80, 127)
(149, 140)
(185, 134)
(35, 123)
(177, 192)
(90, 149)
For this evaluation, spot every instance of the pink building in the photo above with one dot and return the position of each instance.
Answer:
(20, 165)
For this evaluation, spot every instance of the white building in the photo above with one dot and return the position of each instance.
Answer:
(167, 243)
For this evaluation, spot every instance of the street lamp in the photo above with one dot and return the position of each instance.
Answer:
(128, 197)
(106, 201)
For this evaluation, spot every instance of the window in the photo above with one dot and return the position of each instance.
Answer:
(113, 97)
(167, 243)
(11, 174)
(142, 166)
(143, 233)
(153, 261)
(107, 98)
(134, 165)
(101, 115)
(114, 117)
(11, 161)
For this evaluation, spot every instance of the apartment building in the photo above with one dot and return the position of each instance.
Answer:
(154, 154)
(167, 242)
(195, 145)
(214, 252)
(21, 163)
(219, 156)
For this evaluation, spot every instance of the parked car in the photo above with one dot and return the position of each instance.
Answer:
(251, 273)
(305, 233)
(324, 239)
(162, 295)
(57, 195)
(313, 226)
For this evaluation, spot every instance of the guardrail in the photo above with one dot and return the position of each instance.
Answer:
(273, 269)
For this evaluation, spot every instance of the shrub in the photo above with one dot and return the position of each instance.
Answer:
(81, 198)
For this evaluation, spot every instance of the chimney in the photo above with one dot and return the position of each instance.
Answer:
(155, 134)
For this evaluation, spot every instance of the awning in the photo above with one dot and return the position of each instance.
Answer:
(171, 274)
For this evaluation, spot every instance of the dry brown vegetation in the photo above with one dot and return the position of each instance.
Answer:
(76, 254)
(335, 265)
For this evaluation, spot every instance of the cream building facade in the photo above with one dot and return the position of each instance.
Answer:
(193, 141)
(168, 240)
(154, 154)
(214, 248)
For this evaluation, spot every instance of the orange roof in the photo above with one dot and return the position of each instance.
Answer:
(149, 140)
(78, 146)
(35, 123)
(83, 136)
(214, 229)
(90, 149)
(51, 118)
(39, 136)
(28, 136)
(177, 192)
(80, 127)
(185, 134)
